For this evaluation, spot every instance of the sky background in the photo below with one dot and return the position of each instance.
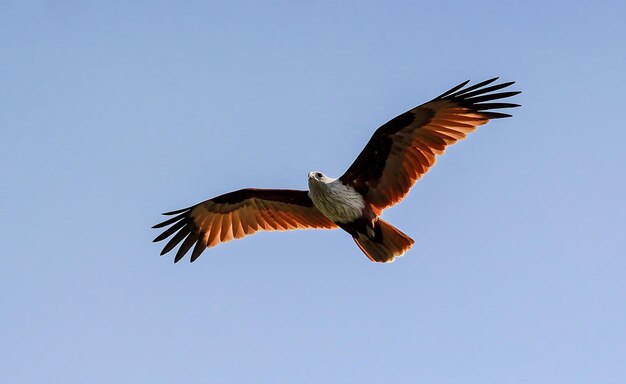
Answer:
(113, 112)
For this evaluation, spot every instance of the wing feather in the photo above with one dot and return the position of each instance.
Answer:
(249, 220)
(238, 214)
(401, 151)
(186, 245)
(170, 231)
(176, 239)
(215, 229)
(286, 216)
(169, 221)
(269, 223)
(238, 232)
(226, 234)
(198, 249)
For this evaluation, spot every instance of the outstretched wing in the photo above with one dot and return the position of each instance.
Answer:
(404, 149)
(238, 214)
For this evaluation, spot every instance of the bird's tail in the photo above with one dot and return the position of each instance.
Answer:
(388, 243)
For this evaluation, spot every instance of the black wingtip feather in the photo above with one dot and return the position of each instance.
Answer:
(476, 97)
(476, 86)
(452, 90)
(197, 251)
(467, 94)
(495, 115)
(182, 233)
(186, 245)
(491, 96)
(182, 228)
(487, 106)
(170, 231)
(171, 220)
(176, 212)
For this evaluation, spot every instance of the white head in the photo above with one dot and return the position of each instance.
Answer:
(318, 176)
(318, 180)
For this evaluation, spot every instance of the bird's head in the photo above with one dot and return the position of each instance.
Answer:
(317, 176)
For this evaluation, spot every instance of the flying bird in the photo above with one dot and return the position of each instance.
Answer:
(396, 156)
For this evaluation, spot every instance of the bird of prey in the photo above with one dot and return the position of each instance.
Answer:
(397, 155)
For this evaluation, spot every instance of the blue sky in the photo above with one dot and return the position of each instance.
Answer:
(113, 112)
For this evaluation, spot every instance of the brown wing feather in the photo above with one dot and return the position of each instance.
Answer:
(238, 214)
(404, 149)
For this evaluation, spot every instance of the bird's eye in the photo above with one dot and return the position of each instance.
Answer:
(318, 175)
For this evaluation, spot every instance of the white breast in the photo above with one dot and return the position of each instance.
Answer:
(338, 202)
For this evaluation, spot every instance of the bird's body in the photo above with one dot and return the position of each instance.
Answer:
(346, 207)
(338, 202)
(397, 155)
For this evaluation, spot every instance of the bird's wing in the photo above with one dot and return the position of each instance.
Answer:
(404, 149)
(238, 214)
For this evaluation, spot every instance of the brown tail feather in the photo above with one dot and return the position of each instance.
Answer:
(394, 243)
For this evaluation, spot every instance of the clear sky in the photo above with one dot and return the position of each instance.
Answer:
(112, 112)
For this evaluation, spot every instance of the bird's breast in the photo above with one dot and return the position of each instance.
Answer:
(339, 202)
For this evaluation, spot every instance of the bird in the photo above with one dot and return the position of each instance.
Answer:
(397, 155)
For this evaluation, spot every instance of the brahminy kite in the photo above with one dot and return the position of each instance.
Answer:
(397, 155)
